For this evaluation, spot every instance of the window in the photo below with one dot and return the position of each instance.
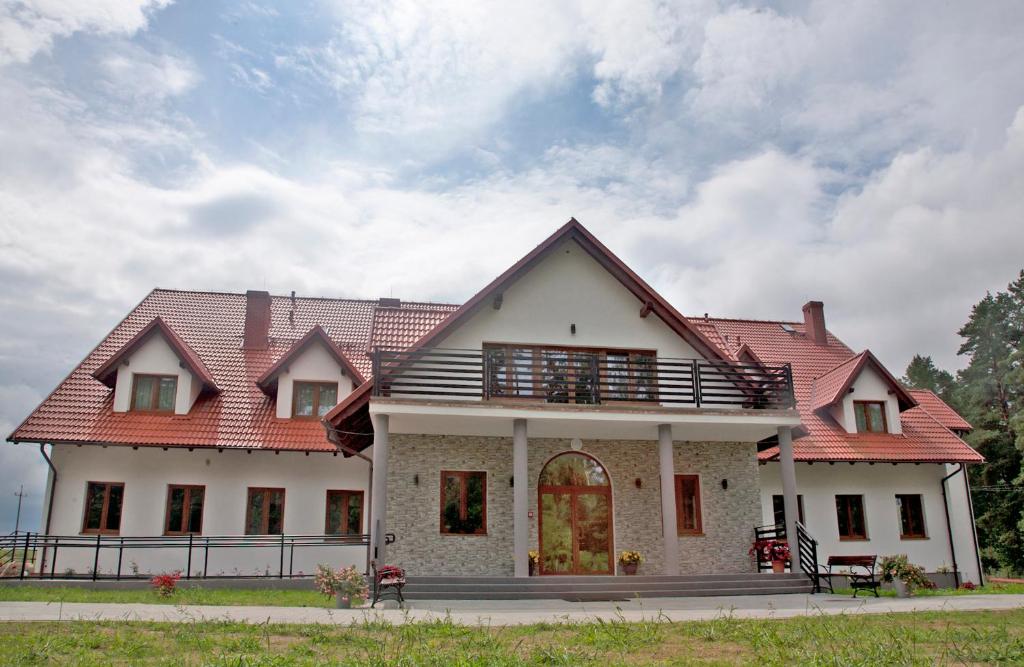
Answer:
(870, 416)
(463, 503)
(264, 513)
(911, 516)
(779, 509)
(314, 399)
(154, 393)
(688, 519)
(344, 513)
(569, 374)
(850, 514)
(184, 509)
(103, 502)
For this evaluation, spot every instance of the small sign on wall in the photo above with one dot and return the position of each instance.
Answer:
(530, 514)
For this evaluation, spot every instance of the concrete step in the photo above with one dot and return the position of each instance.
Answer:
(583, 579)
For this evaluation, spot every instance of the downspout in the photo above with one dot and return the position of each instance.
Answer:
(949, 524)
(974, 526)
(49, 505)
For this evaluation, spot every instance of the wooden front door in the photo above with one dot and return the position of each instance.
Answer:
(575, 508)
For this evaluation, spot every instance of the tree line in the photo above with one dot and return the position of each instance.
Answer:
(988, 393)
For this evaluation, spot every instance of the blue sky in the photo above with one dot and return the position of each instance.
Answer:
(743, 157)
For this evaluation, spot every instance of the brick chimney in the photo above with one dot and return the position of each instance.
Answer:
(814, 322)
(257, 320)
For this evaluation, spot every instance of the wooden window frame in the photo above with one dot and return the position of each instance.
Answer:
(266, 509)
(155, 398)
(464, 500)
(868, 422)
(102, 530)
(698, 506)
(536, 386)
(849, 518)
(923, 535)
(188, 488)
(317, 384)
(799, 506)
(348, 493)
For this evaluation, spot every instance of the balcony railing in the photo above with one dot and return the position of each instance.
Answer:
(580, 378)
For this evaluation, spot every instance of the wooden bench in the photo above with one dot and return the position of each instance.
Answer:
(387, 578)
(859, 570)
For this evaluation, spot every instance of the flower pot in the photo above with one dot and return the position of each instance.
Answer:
(343, 601)
(533, 569)
(778, 566)
(629, 568)
(902, 590)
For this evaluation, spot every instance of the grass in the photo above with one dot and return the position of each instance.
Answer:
(942, 638)
(182, 596)
(1005, 589)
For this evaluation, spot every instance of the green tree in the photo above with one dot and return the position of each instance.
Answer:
(989, 393)
(923, 374)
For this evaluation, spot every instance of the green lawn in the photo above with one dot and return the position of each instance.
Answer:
(944, 638)
(1013, 589)
(211, 596)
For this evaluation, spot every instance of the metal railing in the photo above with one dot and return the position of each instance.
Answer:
(197, 549)
(581, 378)
(806, 550)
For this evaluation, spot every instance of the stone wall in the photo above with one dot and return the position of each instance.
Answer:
(414, 510)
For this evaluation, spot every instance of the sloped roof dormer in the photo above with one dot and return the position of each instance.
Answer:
(268, 381)
(107, 372)
(830, 388)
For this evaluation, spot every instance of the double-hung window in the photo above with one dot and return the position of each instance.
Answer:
(103, 501)
(154, 393)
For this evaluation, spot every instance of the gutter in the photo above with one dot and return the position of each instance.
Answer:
(949, 525)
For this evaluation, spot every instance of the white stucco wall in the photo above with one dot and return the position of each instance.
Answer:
(315, 364)
(155, 357)
(148, 471)
(879, 484)
(869, 386)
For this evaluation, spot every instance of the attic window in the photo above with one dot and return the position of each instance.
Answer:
(314, 399)
(870, 416)
(154, 393)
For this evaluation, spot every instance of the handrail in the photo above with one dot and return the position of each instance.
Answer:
(807, 548)
(579, 377)
(28, 542)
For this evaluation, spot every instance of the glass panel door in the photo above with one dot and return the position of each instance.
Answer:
(593, 541)
(556, 533)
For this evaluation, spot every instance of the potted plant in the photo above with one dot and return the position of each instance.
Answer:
(344, 584)
(534, 562)
(904, 575)
(630, 561)
(775, 551)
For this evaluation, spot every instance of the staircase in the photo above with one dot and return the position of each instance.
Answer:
(594, 588)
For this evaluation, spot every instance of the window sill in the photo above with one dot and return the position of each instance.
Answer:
(914, 537)
(105, 533)
(700, 534)
(854, 539)
(462, 534)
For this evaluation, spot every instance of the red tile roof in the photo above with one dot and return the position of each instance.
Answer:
(939, 409)
(830, 388)
(211, 325)
(924, 439)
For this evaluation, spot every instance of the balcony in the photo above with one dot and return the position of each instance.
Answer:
(532, 376)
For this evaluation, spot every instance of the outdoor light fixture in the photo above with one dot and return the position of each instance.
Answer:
(725, 484)
(572, 328)
(512, 481)
(639, 483)
(416, 479)
(576, 444)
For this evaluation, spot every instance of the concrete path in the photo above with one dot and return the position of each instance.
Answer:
(517, 612)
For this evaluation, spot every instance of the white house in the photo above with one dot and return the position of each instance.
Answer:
(565, 408)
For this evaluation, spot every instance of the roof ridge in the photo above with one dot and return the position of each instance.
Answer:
(701, 318)
(172, 290)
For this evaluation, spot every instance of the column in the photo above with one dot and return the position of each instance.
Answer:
(788, 470)
(669, 528)
(379, 493)
(521, 484)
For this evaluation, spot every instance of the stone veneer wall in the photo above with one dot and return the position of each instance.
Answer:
(414, 510)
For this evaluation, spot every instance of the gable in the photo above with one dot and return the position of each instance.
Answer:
(314, 363)
(567, 287)
(155, 356)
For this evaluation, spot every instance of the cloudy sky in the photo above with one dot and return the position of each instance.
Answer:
(743, 157)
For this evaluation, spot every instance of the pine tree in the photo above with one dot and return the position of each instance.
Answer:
(923, 374)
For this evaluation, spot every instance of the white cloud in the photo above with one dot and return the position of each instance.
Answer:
(141, 76)
(30, 26)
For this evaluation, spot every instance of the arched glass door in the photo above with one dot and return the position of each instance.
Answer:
(575, 499)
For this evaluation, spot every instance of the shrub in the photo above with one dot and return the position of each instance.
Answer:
(899, 567)
(348, 582)
(968, 586)
(166, 583)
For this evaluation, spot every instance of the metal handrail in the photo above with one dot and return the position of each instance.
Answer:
(807, 555)
(572, 377)
(51, 544)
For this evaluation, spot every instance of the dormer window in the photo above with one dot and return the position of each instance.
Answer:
(154, 393)
(314, 399)
(870, 416)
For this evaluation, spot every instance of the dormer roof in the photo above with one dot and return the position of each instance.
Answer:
(107, 372)
(268, 380)
(939, 409)
(830, 388)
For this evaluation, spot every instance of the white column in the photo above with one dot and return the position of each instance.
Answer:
(788, 470)
(669, 528)
(379, 495)
(521, 484)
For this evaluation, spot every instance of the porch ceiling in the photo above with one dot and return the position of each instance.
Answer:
(590, 422)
